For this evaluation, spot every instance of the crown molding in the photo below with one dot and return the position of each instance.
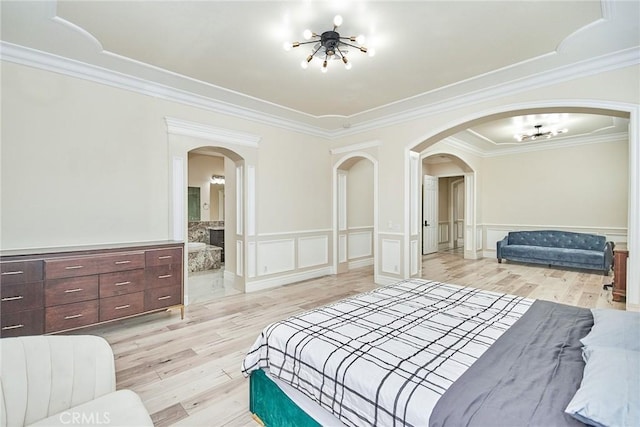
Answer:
(355, 147)
(616, 60)
(198, 130)
(70, 67)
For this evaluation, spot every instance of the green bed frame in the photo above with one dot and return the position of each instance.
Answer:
(272, 407)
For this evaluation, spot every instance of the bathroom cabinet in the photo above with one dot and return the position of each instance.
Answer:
(216, 238)
(55, 290)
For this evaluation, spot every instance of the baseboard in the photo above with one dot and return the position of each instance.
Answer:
(360, 263)
(258, 285)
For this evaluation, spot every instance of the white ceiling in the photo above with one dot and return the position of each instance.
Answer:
(427, 52)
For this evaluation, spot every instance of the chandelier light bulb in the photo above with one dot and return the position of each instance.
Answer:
(330, 45)
(371, 52)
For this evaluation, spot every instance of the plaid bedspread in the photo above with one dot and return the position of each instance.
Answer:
(383, 358)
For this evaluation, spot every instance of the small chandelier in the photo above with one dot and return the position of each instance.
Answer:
(537, 133)
(217, 179)
(330, 45)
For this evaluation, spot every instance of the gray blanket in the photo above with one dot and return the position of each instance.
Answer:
(526, 378)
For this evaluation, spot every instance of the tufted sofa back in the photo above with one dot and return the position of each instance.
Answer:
(558, 239)
(43, 375)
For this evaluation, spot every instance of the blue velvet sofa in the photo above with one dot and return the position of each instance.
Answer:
(561, 248)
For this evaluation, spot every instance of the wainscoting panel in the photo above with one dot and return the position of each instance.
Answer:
(313, 251)
(342, 248)
(276, 256)
(251, 259)
(390, 256)
(239, 258)
(443, 233)
(414, 257)
(360, 244)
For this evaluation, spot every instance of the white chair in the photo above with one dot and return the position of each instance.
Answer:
(64, 380)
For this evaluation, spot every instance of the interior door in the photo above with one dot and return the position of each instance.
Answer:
(429, 214)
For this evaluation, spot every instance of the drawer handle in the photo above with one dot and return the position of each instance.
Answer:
(12, 298)
(75, 316)
(120, 307)
(165, 276)
(164, 297)
(69, 291)
(74, 267)
(11, 273)
(8, 328)
(122, 283)
(165, 257)
(122, 262)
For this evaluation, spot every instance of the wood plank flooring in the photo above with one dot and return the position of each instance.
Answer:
(187, 372)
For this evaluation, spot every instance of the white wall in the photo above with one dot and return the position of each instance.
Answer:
(360, 194)
(84, 163)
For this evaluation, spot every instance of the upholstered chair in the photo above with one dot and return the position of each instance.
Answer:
(64, 380)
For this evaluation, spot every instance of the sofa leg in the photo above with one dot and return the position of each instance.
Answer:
(499, 260)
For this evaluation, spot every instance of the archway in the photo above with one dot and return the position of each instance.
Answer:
(355, 245)
(453, 175)
(630, 111)
(240, 176)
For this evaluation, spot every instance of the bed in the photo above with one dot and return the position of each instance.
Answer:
(420, 353)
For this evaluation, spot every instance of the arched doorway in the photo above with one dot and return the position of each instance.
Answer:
(240, 191)
(629, 111)
(450, 226)
(443, 225)
(355, 212)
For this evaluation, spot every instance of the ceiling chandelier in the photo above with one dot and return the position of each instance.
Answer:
(330, 45)
(532, 135)
(217, 179)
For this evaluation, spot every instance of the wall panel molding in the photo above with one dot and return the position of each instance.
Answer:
(360, 244)
(275, 256)
(313, 251)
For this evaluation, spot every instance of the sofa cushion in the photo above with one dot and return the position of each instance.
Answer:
(551, 255)
(558, 239)
(120, 408)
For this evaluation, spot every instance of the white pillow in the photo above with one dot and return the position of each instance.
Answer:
(609, 394)
(614, 328)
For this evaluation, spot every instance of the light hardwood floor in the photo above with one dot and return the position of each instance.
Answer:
(187, 372)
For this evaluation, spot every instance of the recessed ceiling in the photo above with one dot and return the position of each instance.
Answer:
(420, 46)
(427, 52)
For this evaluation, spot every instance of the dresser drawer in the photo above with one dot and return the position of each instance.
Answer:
(71, 316)
(67, 291)
(13, 272)
(70, 267)
(163, 256)
(121, 261)
(125, 282)
(21, 297)
(121, 306)
(162, 297)
(163, 275)
(30, 322)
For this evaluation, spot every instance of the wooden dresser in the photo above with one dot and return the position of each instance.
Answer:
(620, 255)
(54, 290)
